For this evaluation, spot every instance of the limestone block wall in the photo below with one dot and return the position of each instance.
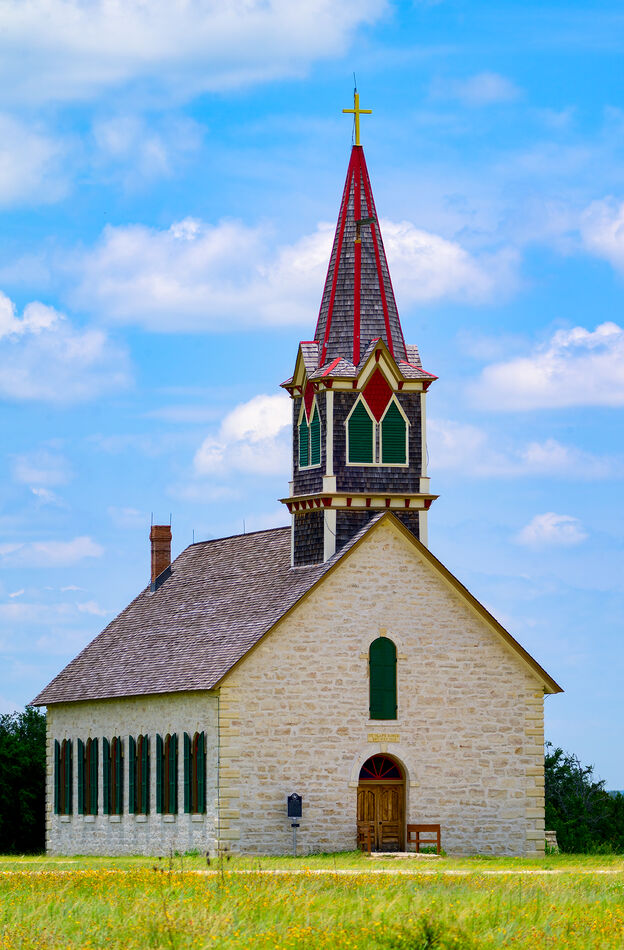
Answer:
(469, 733)
(133, 834)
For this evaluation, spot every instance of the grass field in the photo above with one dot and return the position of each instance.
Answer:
(320, 901)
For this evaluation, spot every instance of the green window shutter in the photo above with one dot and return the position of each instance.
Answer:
(106, 777)
(201, 773)
(68, 777)
(160, 761)
(304, 442)
(187, 773)
(173, 775)
(132, 770)
(360, 435)
(145, 775)
(393, 437)
(57, 777)
(93, 765)
(382, 679)
(118, 777)
(81, 777)
(315, 438)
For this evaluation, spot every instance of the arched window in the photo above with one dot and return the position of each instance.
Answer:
(88, 777)
(309, 439)
(361, 431)
(63, 777)
(167, 774)
(195, 773)
(138, 775)
(382, 659)
(393, 437)
(112, 755)
(380, 768)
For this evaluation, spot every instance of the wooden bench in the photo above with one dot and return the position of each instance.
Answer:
(417, 835)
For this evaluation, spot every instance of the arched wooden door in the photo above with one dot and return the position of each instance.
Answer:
(381, 804)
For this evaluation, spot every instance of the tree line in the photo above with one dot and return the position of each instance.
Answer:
(586, 817)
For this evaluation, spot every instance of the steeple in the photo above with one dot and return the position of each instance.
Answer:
(358, 391)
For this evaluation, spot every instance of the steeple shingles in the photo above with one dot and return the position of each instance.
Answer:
(348, 321)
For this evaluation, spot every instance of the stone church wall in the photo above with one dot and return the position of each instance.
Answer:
(133, 834)
(469, 733)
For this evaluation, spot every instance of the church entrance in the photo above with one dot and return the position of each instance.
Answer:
(381, 804)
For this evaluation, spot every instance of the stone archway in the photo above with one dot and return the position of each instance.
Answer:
(381, 804)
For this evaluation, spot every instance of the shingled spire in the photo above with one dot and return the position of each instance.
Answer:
(358, 303)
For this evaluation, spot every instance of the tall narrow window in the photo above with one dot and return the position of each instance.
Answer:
(167, 774)
(304, 442)
(382, 660)
(315, 437)
(195, 773)
(361, 435)
(88, 777)
(63, 777)
(138, 775)
(112, 762)
(310, 439)
(393, 437)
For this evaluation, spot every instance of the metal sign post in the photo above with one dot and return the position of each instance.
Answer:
(295, 810)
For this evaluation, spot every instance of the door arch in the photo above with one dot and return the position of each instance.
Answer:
(381, 803)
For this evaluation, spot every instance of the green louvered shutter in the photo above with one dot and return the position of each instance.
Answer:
(304, 442)
(68, 777)
(132, 769)
(393, 437)
(160, 761)
(201, 773)
(187, 773)
(93, 766)
(57, 777)
(173, 775)
(118, 777)
(360, 435)
(315, 438)
(106, 775)
(145, 775)
(382, 679)
(81, 777)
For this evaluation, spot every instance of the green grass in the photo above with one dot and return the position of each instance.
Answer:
(88, 903)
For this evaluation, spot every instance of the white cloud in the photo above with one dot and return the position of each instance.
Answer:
(41, 467)
(32, 163)
(576, 367)
(139, 151)
(198, 276)
(127, 517)
(483, 89)
(254, 437)
(44, 357)
(467, 448)
(17, 593)
(602, 230)
(76, 49)
(92, 608)
(49, 553)
(551, 529)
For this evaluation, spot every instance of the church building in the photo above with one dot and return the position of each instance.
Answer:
(336, 658)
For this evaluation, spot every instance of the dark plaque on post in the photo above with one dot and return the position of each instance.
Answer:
(294, 805)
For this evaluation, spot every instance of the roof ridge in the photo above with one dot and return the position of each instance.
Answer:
(243, 534)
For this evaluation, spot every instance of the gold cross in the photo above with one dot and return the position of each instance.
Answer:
(357, 112)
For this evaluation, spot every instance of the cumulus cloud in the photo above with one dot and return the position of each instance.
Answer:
(32, 163)
(602, 231)
(49, 553)
(76, 49)
(44, 357)
(483, 89)
(551, 529)
(138, 151)
(576, 367)
(467, 448)
(198, 276)
(253, 437)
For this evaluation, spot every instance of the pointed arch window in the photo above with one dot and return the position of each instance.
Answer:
(138, 775)
(393, 441)
(370, 442)
(382, 662)
(195, 773)
(309, 438)
(167, 775)
(112, 773)
(88, 777)
(361, 435)
(63, 777)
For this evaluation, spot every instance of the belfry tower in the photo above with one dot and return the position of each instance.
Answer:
(358, 393)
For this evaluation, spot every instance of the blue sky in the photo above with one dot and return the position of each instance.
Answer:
(170, 175)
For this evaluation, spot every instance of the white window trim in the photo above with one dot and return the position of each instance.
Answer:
(305, 468)
(404, 464)
(377, 448)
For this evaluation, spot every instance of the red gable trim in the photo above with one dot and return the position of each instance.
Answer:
(331, 366)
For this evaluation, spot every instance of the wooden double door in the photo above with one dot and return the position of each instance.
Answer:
(380, 808)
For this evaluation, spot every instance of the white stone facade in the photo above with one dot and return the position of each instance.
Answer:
(134, 834)
(292, 716)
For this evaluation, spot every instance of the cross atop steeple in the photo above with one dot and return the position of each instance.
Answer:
(357, 112)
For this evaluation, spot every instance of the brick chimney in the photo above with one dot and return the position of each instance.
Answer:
(160, 536)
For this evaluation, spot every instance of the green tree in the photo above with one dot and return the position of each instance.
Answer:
(585, 816)
(22, 781)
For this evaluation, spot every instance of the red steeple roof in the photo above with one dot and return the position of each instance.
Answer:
(358, 302)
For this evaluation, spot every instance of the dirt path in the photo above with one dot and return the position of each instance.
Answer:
(339, 872)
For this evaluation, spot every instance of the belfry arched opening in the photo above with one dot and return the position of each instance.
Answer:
(381, 804)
